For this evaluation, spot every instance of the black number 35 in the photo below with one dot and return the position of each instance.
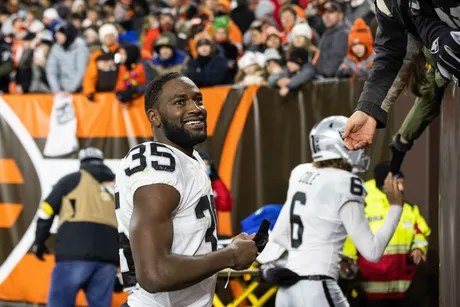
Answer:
(138, 154)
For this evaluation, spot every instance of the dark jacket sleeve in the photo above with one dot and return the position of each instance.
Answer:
(52, 206)
(390, 48)
(428, 24)
(307, 73)
(214, 73)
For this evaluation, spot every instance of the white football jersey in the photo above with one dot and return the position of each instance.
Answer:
(194, 219)
(309, 226)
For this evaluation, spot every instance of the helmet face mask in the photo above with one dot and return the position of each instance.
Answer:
(326, 144)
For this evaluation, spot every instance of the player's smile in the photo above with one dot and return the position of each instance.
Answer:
(196, 123)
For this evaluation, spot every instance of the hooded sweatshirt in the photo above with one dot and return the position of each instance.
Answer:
(66, 64)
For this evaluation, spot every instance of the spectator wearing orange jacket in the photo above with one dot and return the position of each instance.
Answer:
(360, 52)
(102, 71)
(133, 75)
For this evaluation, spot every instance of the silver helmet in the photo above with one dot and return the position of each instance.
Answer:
(326, 144)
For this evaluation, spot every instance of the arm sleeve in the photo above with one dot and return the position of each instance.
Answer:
(82, 62)
(272, 79)
(52, 205)
(51, 71)
(427, 22)
(306, 74)
(344, 71)
(390, 48)
(90, 77)
(370, 246)
(422, 231)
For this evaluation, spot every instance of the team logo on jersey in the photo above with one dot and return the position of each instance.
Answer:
(435, 46)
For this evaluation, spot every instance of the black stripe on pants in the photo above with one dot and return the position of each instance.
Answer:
(327, 294)
(125, 305)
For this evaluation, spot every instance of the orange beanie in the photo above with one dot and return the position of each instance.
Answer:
(360, 33)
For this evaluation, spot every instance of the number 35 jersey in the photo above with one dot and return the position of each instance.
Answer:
(194, 220)
(309, 225)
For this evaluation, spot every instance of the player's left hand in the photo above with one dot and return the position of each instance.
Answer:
(359, 131)
(417, 256)
(446, 52)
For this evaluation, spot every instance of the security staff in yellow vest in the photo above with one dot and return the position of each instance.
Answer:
(386, 282)
(86, 248)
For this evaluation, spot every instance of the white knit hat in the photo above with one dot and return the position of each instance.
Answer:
(302, 29)
(51, 13)
(251, 58)
(107, 29)
(271, 54)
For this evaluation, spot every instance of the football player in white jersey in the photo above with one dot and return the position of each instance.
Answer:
(165, 208)
(325, 201)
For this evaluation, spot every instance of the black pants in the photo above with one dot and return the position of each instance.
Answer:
(125, 305)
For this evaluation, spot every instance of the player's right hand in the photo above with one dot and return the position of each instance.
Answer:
(244, 251)
(359, 131)
(392, 190)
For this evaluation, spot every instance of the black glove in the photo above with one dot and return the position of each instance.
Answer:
(446, 53)
(39, 250)
(261, 237)
(399, 151)
(126, 95)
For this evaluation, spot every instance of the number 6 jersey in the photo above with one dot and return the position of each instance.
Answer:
(194, 220)
(309, 225)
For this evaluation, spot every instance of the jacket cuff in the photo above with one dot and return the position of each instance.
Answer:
(375, 111)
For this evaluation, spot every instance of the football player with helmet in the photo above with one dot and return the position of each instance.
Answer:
(325, 202)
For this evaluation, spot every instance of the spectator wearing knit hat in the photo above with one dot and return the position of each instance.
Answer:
(102, 71)
(67, 61)
(360, 52)
(222, 8)
(221, 38)
(251, 69)
(298, 71)
(168, 58)
(274, 39)
(333, 44)
(51, 19)
(210, 67)
(273, 62)
(302, 36)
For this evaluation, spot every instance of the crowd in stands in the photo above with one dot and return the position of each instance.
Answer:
(118, 46)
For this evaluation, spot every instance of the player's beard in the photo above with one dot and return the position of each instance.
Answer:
(181, 137)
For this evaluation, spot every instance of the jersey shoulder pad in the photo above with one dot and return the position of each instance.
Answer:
(152, 163)
(301, 169)
(350, 186)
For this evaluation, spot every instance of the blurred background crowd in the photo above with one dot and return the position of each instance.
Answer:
(106, 45)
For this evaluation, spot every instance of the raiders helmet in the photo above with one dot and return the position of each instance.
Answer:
(326, 144)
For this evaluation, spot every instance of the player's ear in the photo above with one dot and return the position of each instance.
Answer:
(154, 117)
